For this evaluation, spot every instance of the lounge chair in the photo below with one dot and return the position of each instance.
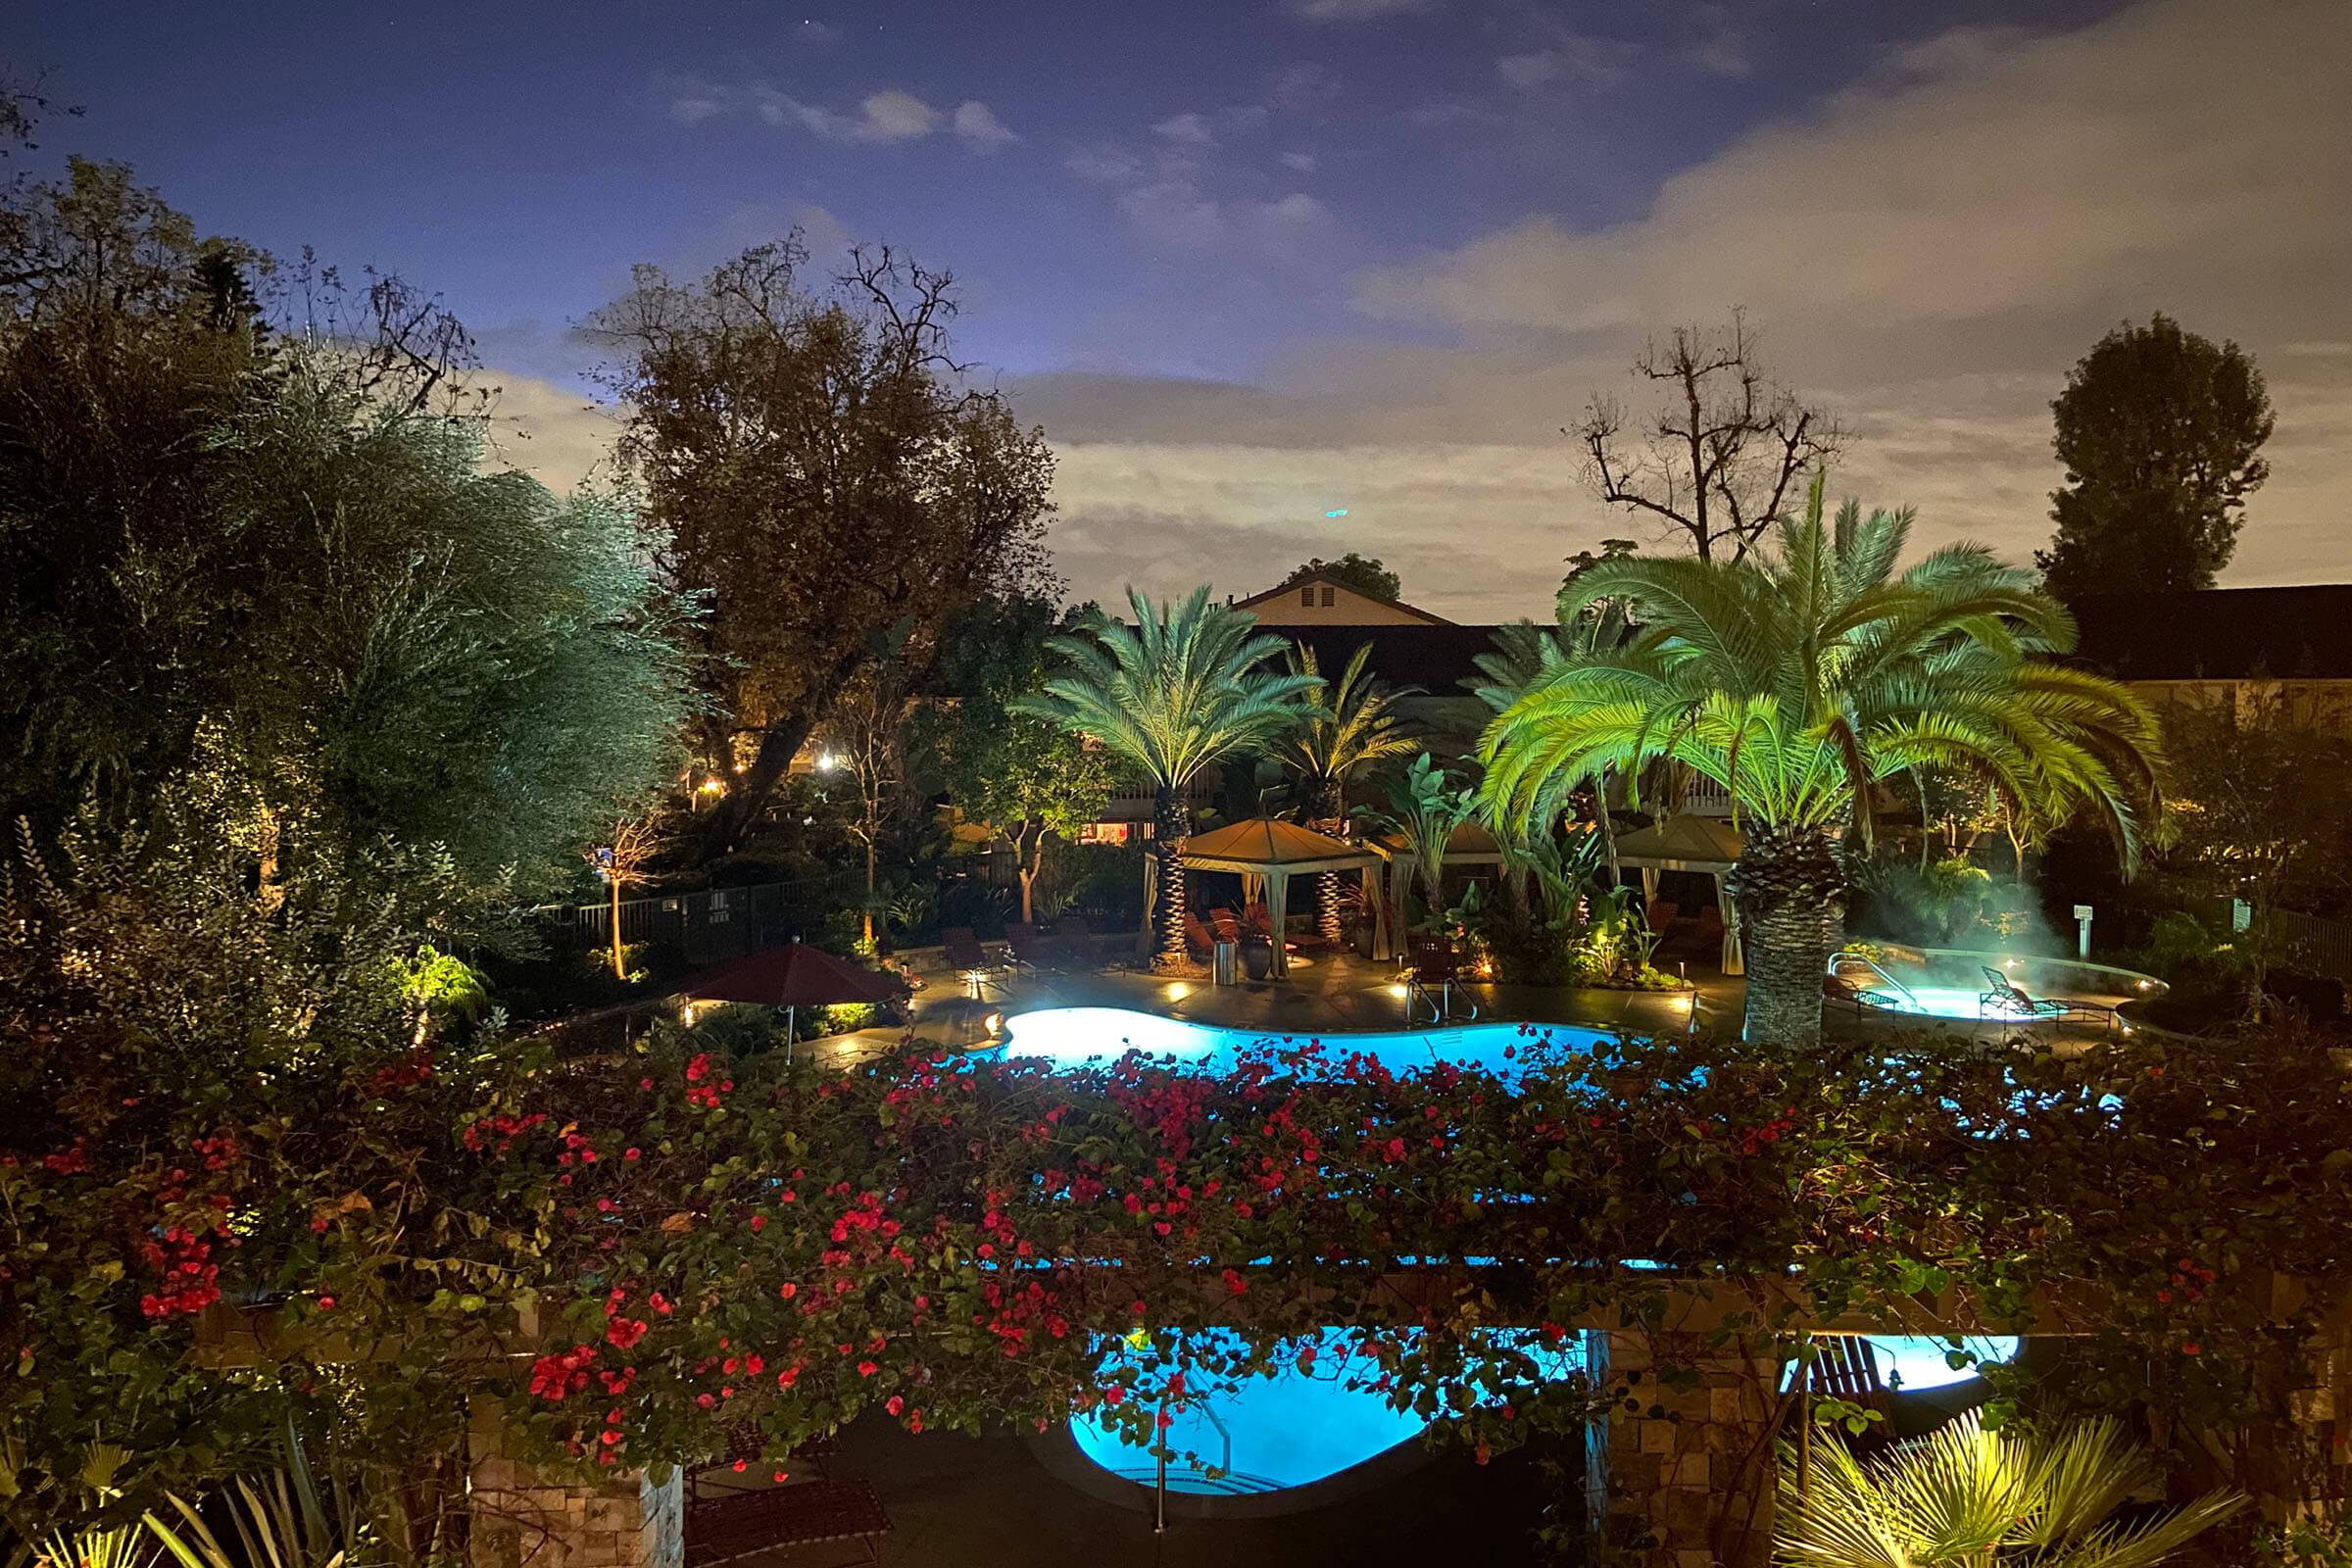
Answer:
(1227, 923)
(2006, 1000)
(1845, 1367)
(724, 1526)
(1029, 948)
(1662, 915)
(964, 953)
(1075, 940)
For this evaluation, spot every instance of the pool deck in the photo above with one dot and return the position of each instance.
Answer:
(1340, 994)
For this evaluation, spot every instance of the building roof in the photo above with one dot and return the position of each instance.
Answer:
(1289, 584)
(2220, 633)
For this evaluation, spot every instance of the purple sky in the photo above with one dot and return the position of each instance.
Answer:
(1250, 262)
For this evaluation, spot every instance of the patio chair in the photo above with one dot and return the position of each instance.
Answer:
(1662, 915)
(1845, 1367)
(725, 1526)
(1228, 926)
(745, 1448)
(2006, 1001)
(962, 947)
(1029, 948)
(1196, 937)
(1076, 941)
(1710, 925)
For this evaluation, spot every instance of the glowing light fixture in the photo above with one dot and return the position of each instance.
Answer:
(827, 762)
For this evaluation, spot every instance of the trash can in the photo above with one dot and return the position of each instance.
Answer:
(1223, 965)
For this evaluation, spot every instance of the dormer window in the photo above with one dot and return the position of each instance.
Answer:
(1306, 596)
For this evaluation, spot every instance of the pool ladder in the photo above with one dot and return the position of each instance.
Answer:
(1439, 1001)
(1159, 1514)
(1890, 983)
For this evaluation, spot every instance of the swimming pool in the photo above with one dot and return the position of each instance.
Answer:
(1305, 1421)
(1298, 1425)
(1952, 982)
(1078, 1037)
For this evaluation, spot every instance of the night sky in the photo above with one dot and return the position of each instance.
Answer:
(1250, 262)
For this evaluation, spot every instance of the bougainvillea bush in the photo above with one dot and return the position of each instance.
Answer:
(235, 1187)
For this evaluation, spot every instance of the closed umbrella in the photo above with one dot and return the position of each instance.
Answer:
(791, 978)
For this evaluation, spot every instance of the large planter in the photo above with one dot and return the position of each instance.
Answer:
(1257, 958)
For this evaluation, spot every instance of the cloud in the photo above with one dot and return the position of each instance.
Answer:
(980, 128)
(1303, 88)
(1722, 48)
(1302, 163)
(881, 118)
(1355, 10)
(892, 114)
(1927, 250)
(1205, 130)
(1103, 164)
(1587, 62)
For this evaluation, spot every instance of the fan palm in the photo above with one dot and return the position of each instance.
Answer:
(1173, 693)
(1963, 1495)
(1795, 679)
(1358, 724)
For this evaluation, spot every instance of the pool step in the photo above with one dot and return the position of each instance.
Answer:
(1198, 1485)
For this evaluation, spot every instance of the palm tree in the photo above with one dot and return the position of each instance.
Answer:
(1356, 724)
(1967, 1497)
(1799, 677)
(1173, 693)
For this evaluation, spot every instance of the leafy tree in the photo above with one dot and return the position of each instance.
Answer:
(2252, 814)
(1357, 725)
(1177, 692)
(273, 571)
(1028, 778)
(1366, 574)
(1964, 1496)
(1718, 461)
(2160, 431)
(1798, 680)
(1423, 807)
(816, 470)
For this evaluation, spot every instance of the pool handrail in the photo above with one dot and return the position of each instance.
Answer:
(1867, 963)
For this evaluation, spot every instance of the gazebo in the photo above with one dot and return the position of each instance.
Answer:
(1706, 845)
(1277, 851)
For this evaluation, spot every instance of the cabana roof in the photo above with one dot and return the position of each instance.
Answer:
(1265, 844)
(1470, 844)
(1683, 844)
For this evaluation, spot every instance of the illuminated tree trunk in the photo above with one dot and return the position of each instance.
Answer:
(1791, 891)
(1331, 818)
(1171, 826)
(620, 970)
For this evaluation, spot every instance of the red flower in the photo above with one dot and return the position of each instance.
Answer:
(866, 1369)
(625, 1332)
(894, 1404)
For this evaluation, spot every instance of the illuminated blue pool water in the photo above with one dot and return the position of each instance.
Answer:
(1290, 1428)
(1075, 1037)
(1928, 1001)
(1286, 1428)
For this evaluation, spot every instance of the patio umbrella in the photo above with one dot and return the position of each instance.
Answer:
(791, 978)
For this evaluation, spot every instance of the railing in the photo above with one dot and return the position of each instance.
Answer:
(709, 925)
(2313, 943)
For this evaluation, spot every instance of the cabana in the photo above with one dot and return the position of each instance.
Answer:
(1705, 845)
(1266, 849)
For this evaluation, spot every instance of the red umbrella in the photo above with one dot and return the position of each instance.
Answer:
(791, 978)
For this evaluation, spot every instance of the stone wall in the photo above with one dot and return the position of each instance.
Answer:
(520, 1517)
(1681, 1474)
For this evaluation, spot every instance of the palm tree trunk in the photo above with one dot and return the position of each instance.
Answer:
(1791, 891)
(1330, 809)
(1171, 826)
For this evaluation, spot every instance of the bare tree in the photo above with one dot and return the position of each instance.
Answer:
(626, 862)
(1725, 451)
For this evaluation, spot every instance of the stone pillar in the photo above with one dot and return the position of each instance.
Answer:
(1681, 1473)
(519, 1516)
